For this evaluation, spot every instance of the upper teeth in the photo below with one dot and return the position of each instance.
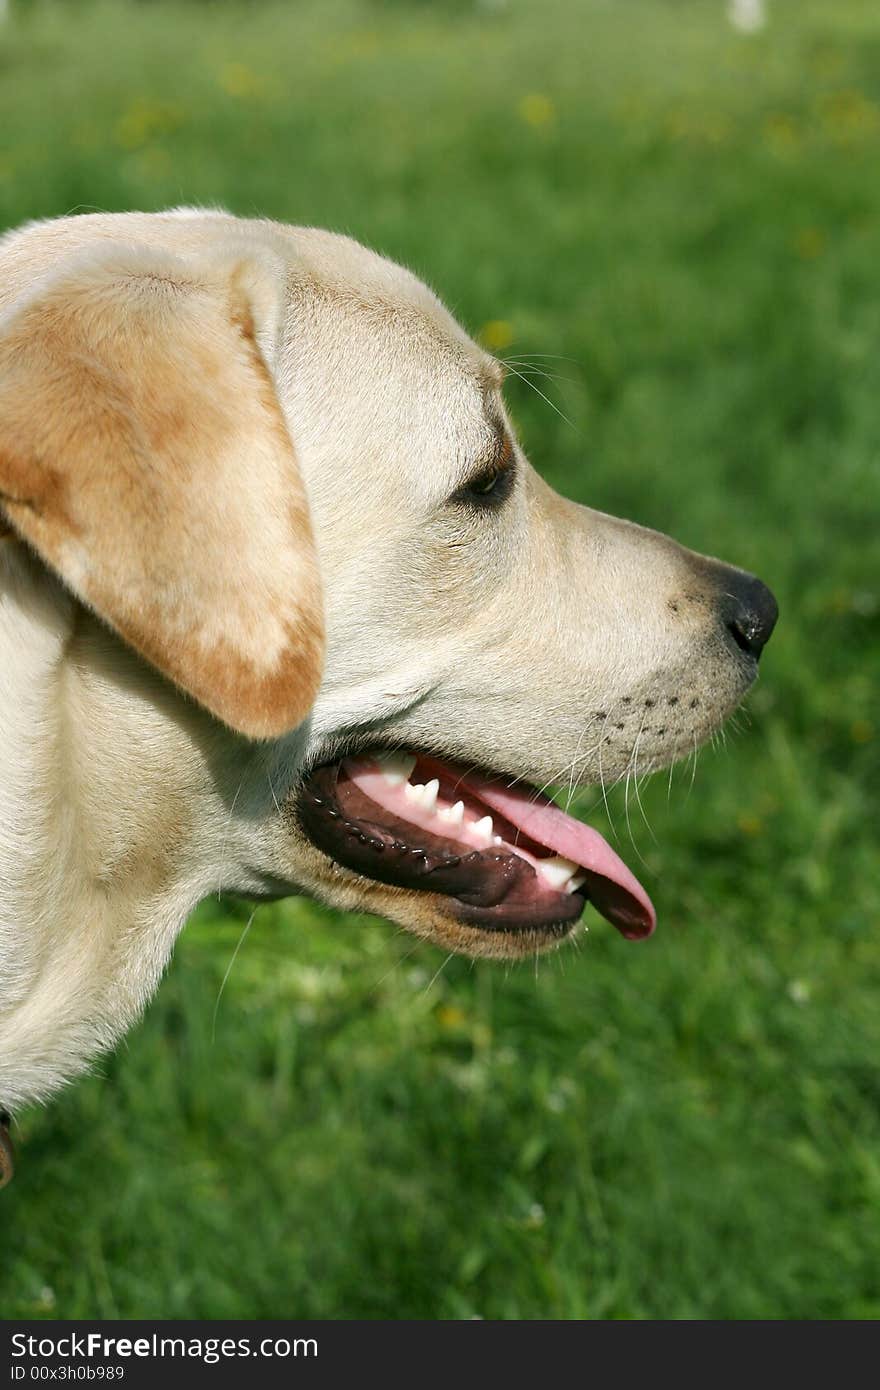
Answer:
(396, 767)
(483, 828)
(422, 794)
(557, 872)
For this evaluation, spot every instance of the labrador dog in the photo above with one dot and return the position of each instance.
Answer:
(284, 609)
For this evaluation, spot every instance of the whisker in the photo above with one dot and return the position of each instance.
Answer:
(605, 797)
(573, 764)
(556, 356)
(232, 961)
(626, 808)
(632, 775)
(693, 771)
(226, 832)
(540, 371)
(272, 790)
(538, 392)
(438, 973)
(639, 802)
(569, 767)
(401, 960)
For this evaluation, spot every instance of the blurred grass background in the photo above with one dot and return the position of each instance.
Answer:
(687, 1128)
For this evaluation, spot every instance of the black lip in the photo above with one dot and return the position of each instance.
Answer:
(492, 889)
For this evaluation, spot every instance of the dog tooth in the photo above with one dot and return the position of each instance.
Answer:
(575, 883)
(497, 840)
(454, 815)
(429, 799)
(483, 828)
(414, 791)
(557, 871)
(396, 767)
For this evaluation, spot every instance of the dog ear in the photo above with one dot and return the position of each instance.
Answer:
(144, 456)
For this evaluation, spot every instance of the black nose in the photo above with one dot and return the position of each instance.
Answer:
(750, 612)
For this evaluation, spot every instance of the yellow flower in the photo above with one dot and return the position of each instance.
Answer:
(154, 162)
(146, 119)
(781, 131)
(238, 80)
(496, 335)
(849, 115)
(750, 824)
(537, 110)
(809, 243)
(449, 1016)
(363, 44)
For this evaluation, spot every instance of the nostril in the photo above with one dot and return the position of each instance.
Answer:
(743, 632)
(751, 613)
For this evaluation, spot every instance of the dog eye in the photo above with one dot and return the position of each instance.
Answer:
(487, 489)
(486, 484)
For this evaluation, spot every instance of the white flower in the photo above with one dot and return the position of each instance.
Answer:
(747, 15)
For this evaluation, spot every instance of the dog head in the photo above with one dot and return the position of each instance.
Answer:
(299, 616)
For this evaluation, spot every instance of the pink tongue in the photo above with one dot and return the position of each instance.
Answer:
(613, 890)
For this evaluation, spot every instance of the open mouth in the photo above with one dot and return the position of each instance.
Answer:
(505, 857)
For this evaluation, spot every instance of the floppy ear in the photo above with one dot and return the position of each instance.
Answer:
(144, 456)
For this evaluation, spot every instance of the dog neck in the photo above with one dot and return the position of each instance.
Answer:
(116, 818)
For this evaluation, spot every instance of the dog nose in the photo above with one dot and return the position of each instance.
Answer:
(750, 612)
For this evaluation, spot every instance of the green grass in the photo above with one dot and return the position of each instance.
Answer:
(687, 1128)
